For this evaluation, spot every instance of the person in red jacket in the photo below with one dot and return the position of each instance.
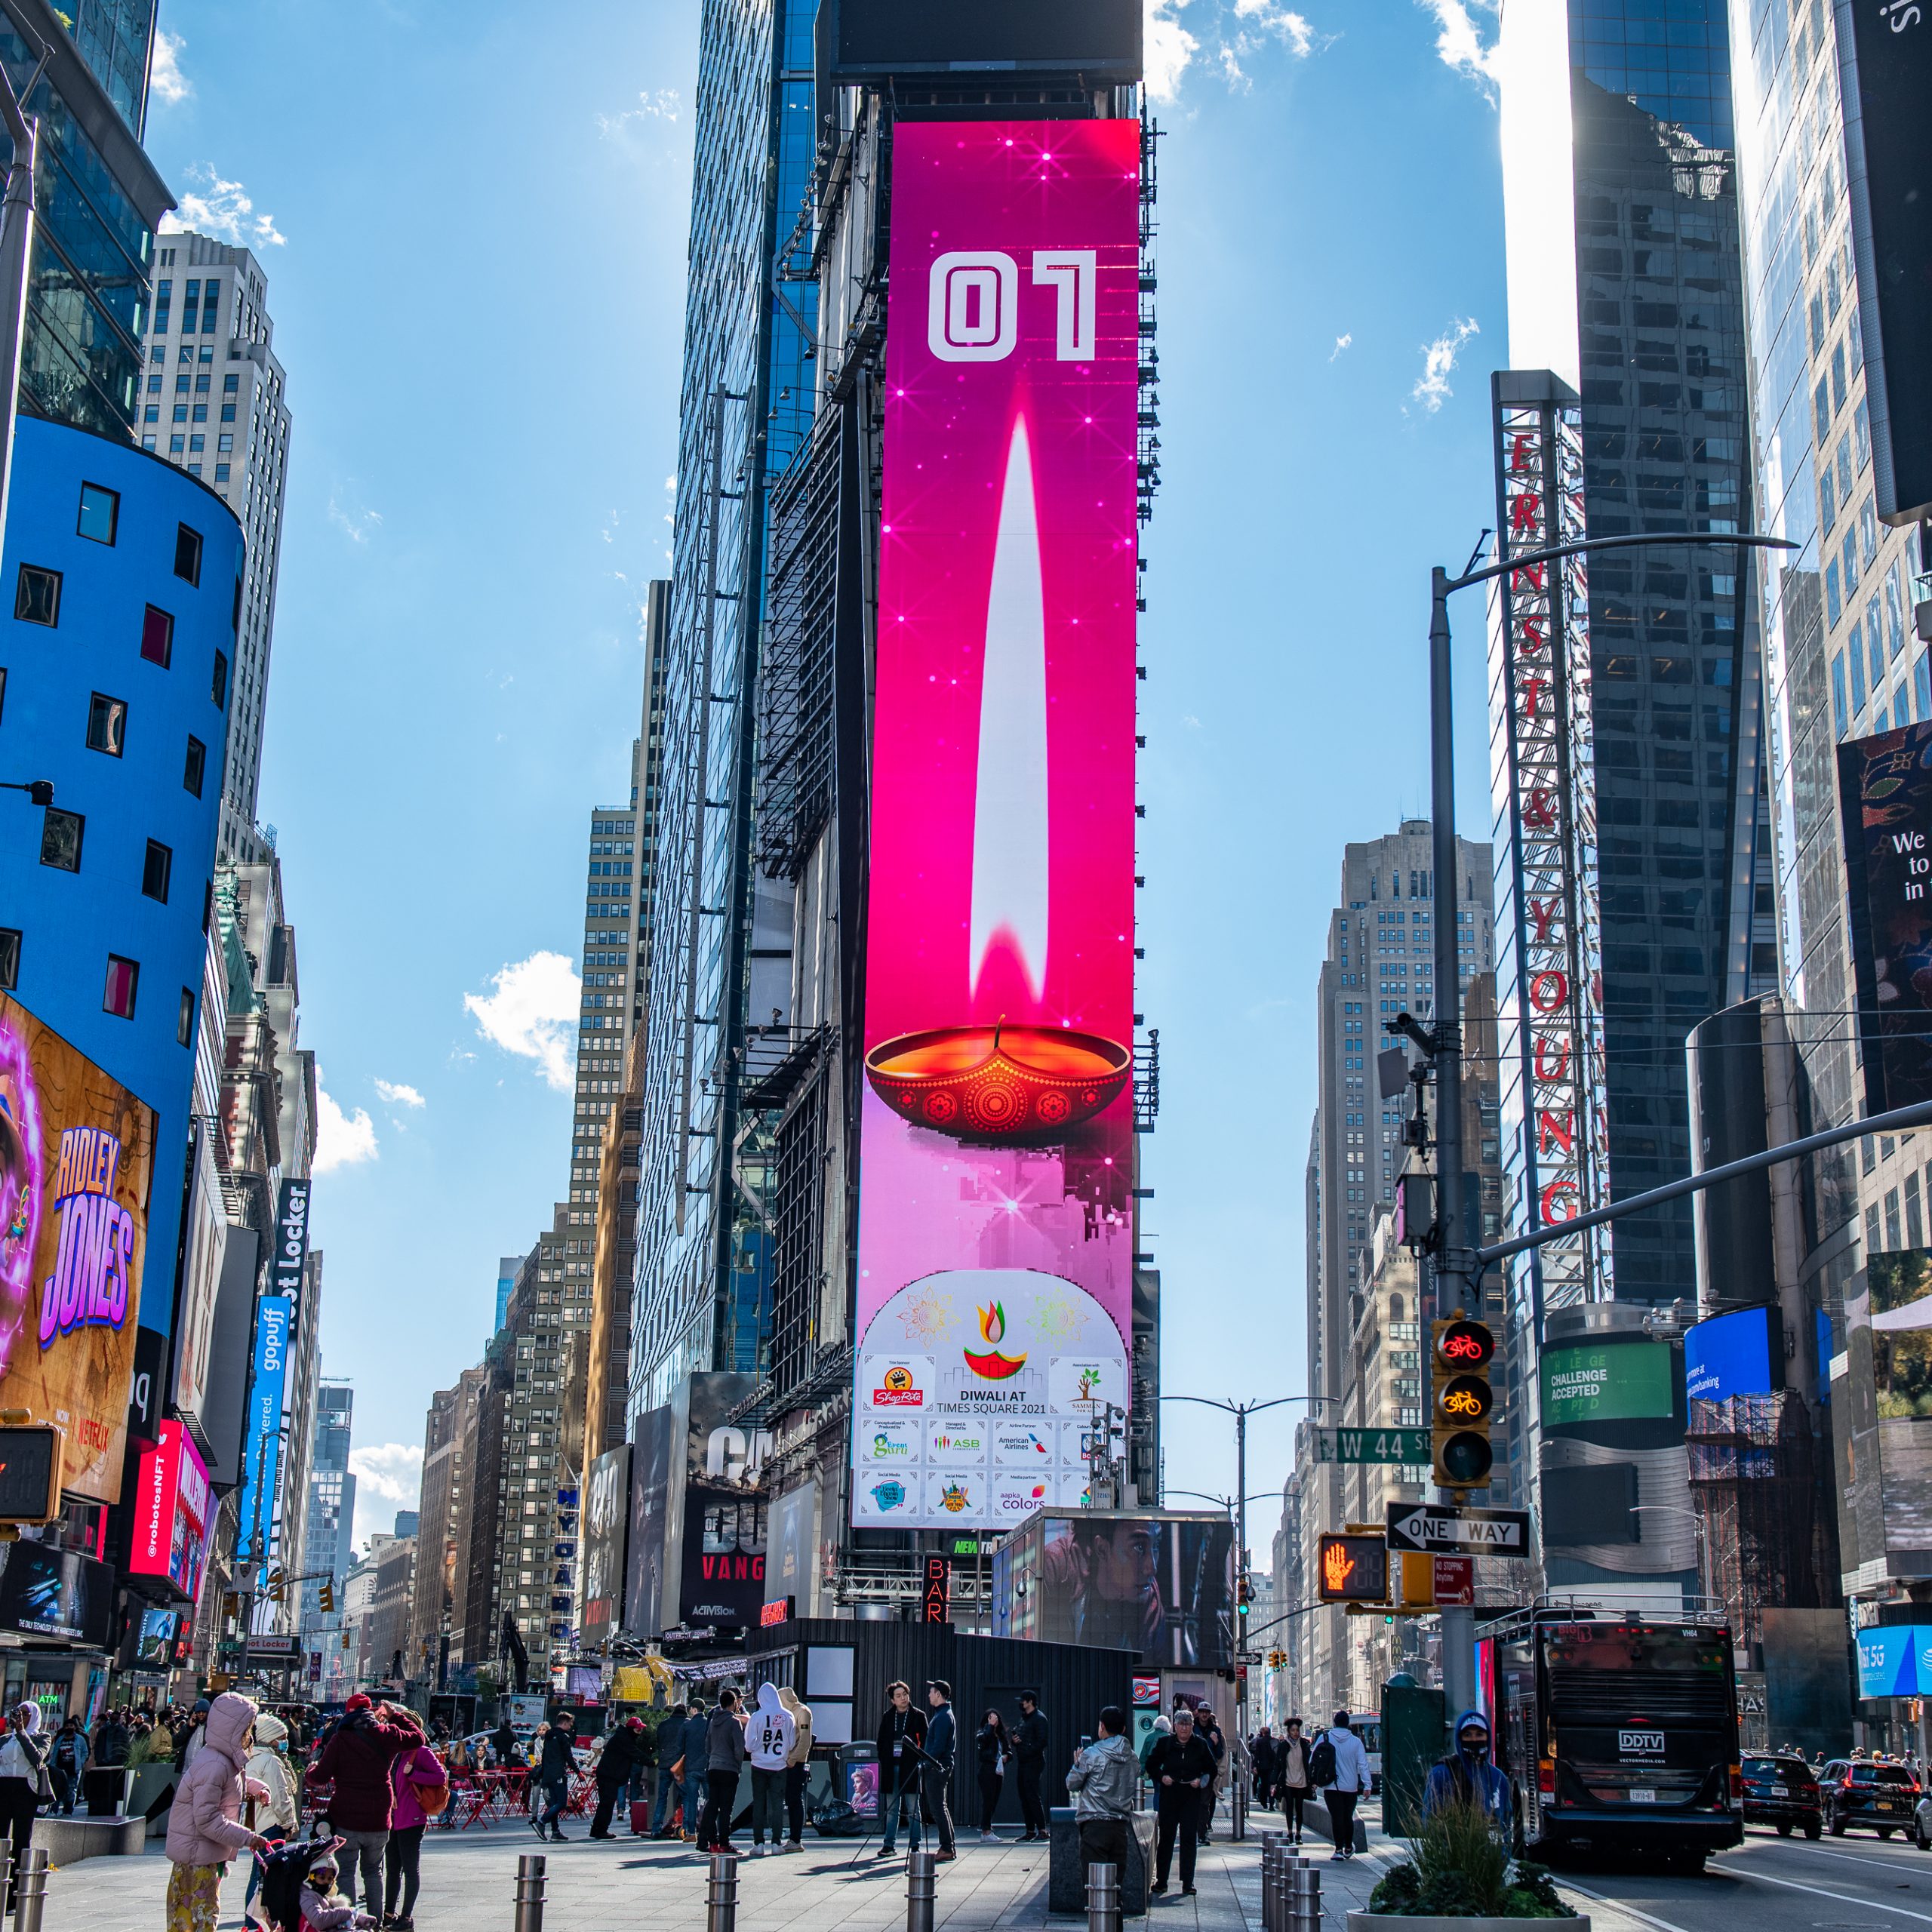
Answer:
(356, 1761)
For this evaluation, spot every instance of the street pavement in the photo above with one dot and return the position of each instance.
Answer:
(469, 1881)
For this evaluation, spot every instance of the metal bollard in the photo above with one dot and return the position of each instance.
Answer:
(1103, 1906)
(530, 1869)
(921, 1890)
(1304, 1899)
(720, 1898)
(33, 1899)
(1272, 1893)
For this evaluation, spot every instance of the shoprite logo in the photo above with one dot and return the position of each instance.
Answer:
(900, 1391)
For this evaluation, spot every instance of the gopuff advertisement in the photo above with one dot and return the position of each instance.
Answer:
(995, 1212)
(76, 1164)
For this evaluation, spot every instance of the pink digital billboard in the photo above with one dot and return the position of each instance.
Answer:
(995, 1214)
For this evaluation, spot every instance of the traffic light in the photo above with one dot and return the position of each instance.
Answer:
(326, 1597)
(1243, 1595)
(1461, 1353)
(1352, 1569)
(275, 1586)
(30, 1455)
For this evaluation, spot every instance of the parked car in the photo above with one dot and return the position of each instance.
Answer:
(1784, 1792)
(1881, 1797)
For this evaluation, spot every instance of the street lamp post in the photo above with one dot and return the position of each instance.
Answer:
(1456, 1266)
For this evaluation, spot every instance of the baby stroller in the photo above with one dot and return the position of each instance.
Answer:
(284, 1872)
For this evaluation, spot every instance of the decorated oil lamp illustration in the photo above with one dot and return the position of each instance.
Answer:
(1006, 1082)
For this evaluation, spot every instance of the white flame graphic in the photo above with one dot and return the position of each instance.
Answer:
(1009, 812)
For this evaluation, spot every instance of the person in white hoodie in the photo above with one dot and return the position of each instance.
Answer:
(275, 1815)
(769, 1735)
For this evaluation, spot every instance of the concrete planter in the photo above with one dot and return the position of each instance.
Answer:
(1391, 1921)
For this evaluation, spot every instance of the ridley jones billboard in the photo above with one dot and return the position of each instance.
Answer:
(995, 1221)
(76, 1162)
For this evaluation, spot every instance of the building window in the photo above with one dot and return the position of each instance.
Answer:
(107, 725)
(176, 444)
(228, 412)
(1834, 597)
(219, 687)
(221, 473)
(1828, 500)
(231, 385)
(37, 595)
(147, 442)
(123, 977)
(224, 442)
(158, 869)
(151, 414)
(100, 512)
(187, 554)
(181, 411)
(157, 637)
(9, 958)
(1821, 410)
(61, 833)
(196, 444)
(184, 1023)
(196, 767)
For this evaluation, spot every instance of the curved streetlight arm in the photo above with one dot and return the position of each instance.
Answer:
(1707, 539)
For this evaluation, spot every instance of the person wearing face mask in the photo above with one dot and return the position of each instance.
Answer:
(1467, 1777)
(275, 1816)
(205, 1827)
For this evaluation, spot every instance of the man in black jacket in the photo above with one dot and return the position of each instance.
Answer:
(902, 1743)
(1029, 1756)
(1181, 1768)
(555, 1769)
(613, 1773)
(942, 1751)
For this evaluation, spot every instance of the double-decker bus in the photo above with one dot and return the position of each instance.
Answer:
(1620, 1733)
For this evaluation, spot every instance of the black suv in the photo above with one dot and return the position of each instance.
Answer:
(1784, 1792)
(1880, 1798)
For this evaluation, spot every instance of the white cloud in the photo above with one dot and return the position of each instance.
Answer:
(1341, 343)
(1458, 41)
(1291, 29)
(664, 104)
(224, 209)
(165, 79)
(356, 524)
(533, 1012)
(400, 1096)
(342, 1140)
(388, 1477)
(1438, 359)
(1167, 48)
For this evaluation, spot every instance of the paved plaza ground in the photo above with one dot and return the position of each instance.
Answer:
(468, 1885)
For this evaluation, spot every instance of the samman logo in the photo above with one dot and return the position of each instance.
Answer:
(889, 1495)
(954, 1497)
(900, 1390)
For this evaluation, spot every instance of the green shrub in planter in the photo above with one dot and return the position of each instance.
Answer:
(1462, 1870)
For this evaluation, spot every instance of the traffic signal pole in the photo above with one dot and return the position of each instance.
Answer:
(1456, 1281)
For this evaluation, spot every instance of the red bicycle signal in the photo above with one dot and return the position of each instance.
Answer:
(1465, 1345)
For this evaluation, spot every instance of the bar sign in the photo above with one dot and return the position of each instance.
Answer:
(937, 1606)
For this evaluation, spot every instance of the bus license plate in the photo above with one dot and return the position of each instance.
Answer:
(1639, 1795)
(1883, 1804)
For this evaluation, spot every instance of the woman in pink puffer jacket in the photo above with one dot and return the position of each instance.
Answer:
(205, 1828)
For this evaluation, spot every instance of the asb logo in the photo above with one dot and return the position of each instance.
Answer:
(889, 1495)
(900, 1390)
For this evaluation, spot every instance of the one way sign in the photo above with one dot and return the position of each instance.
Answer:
(1427, 1528)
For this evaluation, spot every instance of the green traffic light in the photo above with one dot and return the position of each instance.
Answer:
(1466, 1458)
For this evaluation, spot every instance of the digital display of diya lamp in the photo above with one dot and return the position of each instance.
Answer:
(998, 1082)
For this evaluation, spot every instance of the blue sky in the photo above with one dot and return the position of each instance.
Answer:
(474, 230)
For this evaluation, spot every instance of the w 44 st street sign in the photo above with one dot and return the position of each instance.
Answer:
(1439, 1529)
(1372, 1445)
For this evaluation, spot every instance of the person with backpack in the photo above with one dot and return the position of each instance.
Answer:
(1291, 1776)
(1339, 1764)
(769, 1737)
(420, 1787)
(355, 1762)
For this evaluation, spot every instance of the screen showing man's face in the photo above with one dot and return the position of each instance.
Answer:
(1123, 1562)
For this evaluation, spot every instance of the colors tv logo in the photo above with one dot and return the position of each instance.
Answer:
(89, 1286)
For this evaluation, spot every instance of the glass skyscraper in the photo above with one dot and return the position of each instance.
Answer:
(1626, 279)
(702, 1286)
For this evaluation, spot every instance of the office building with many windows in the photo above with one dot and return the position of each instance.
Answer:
(214, 403)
